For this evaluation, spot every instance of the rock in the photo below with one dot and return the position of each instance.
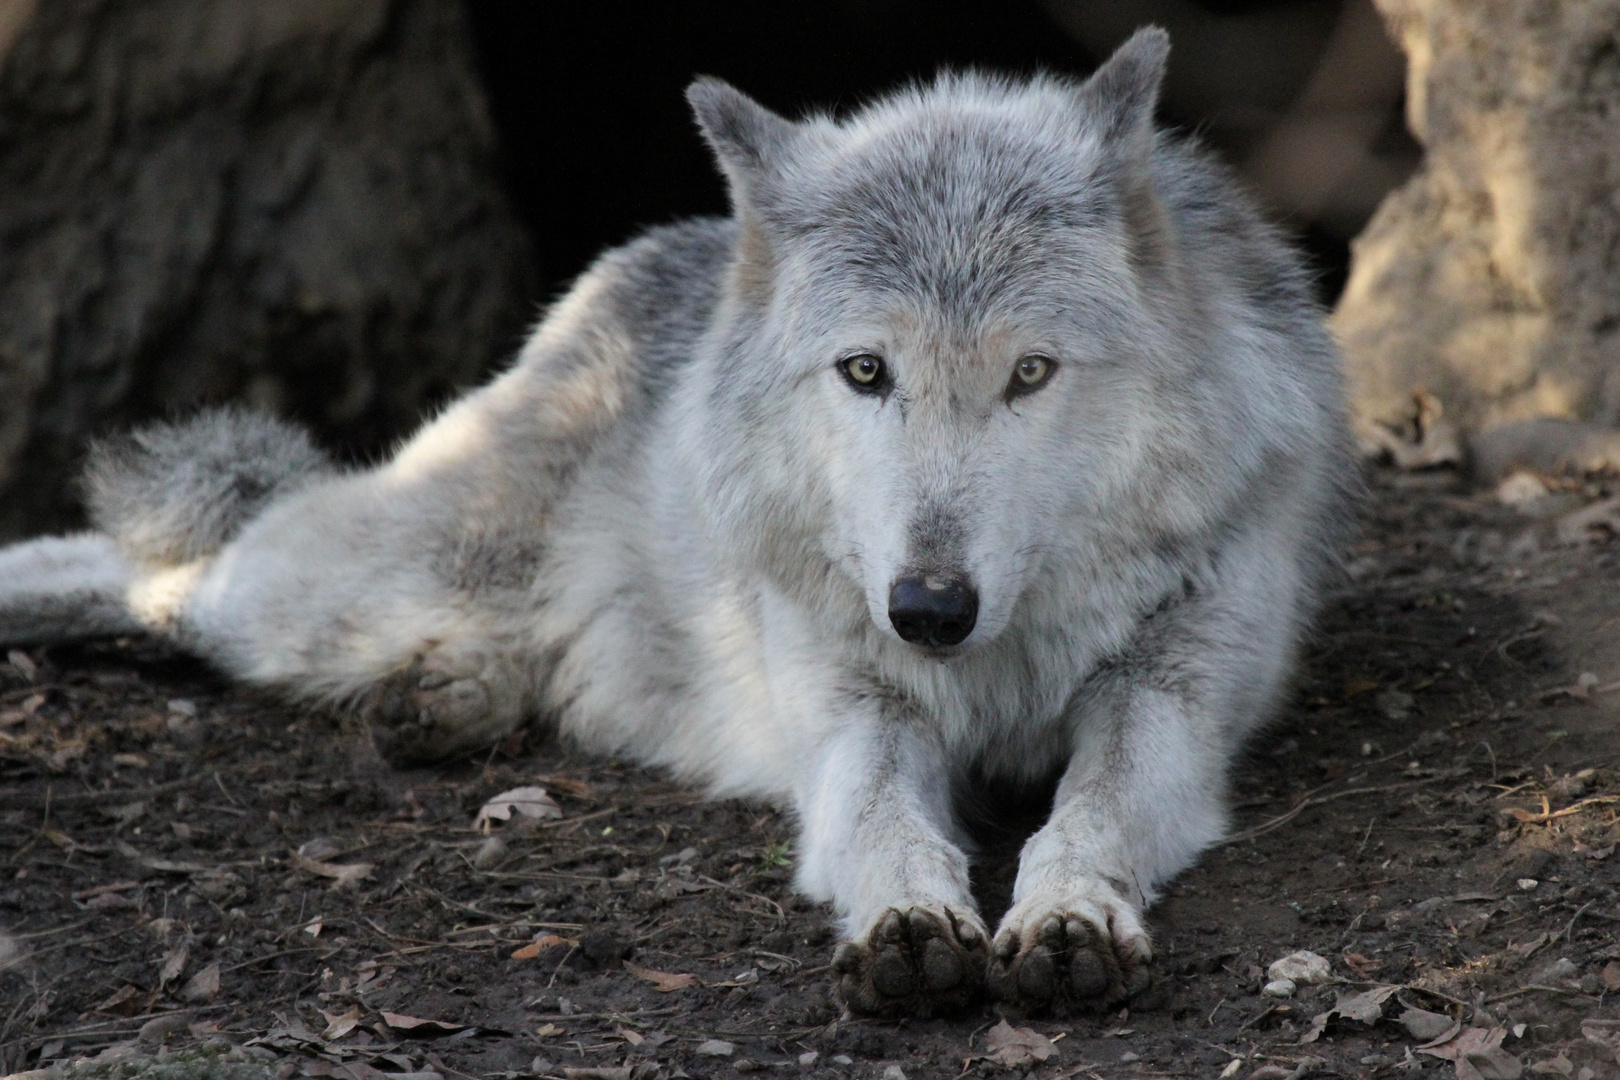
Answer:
(1489, 280)
(1395, 704)
(1423, 1025)
(291, 205)
(715, 1048)
(1279, 988)
(1303, 968)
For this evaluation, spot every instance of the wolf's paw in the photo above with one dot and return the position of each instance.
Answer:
(1052, 958)
(912, 963)
(440, 704)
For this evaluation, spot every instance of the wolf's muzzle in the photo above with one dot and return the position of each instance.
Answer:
(933, 610)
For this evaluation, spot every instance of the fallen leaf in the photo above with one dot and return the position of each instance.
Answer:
(202, 987)
(416, 1025)
(662, 981)
(1610, 976)
(174, 964)
(541, 944)
(338, 1026)
(1606, 1033)
(122, 996)
(579, 789)
(1361, 965)
(342, 874)
(1016, 1048)
(1364, 1008)
(529, 802)
(632, 1037)
(546, 1031)
(1478, 1055)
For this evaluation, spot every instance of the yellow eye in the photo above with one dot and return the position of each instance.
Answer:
(1031, 371)
(864, 370)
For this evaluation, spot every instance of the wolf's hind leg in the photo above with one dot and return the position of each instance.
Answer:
(450, 698)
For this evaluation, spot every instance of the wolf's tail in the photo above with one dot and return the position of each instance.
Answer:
(159, 497)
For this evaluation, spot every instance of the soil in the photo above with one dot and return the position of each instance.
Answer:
(193, 873)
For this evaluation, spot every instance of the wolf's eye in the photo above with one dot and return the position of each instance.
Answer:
(864, 371)
(1030, 373)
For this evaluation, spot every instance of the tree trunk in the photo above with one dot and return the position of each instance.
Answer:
(1492, 279)
(287, 203)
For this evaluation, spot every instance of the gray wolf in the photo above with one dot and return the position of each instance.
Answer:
(992, 436)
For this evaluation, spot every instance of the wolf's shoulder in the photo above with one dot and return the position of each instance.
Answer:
(668, 272)
(1225, 234)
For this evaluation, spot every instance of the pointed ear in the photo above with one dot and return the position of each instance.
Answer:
(748, 139)
(1121, 96)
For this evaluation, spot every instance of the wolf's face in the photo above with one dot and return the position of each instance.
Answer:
(944, 329)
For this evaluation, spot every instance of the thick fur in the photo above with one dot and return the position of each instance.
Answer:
(674, 524)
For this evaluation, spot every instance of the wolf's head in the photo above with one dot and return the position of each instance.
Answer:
(951, 337)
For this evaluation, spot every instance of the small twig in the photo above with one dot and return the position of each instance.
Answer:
(45, 823)
(1534, 988)
(1570, 929)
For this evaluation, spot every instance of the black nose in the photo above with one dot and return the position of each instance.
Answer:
(931, 610)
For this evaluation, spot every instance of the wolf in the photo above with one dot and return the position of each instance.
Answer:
(993, 437)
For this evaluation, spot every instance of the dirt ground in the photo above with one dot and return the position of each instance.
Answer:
(193, 874)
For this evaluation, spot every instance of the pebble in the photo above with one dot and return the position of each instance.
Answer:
(715, 1048)
(842, 1059)
(894, 1072)
(1303, 968)
(1280, 988)
(808, 1058)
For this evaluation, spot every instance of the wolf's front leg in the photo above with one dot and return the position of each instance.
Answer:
(1143, 794)
(877, 840)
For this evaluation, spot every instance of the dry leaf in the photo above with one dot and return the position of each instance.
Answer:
(579, 789)
(1361, 965)
(547, 1030)
(1364, 1008)
(1016, 1048)
(203, 987)
(1606, 1033)
(174, 964)
(120, 997)
(1610, 976)
(342, 874)
(541, 944)
(662, 981)
(529, 802)
(338, 1026)
(632, 1037)
(416, 1025)
(1478, 1055)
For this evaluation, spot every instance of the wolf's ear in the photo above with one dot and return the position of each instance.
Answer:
(748, 139)
(1121, 96)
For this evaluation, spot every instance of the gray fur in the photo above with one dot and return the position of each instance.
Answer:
(673, 525)
(172, 493)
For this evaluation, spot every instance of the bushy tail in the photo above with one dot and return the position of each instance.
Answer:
(171, 493)
(159, 498)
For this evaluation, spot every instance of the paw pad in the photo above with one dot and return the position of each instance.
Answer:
(913, 963)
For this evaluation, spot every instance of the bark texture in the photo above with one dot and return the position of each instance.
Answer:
(1492, 279)
(290, 203)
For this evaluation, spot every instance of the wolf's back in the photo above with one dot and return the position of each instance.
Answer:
(158, 497)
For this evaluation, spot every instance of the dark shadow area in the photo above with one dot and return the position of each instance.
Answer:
(588, 99)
